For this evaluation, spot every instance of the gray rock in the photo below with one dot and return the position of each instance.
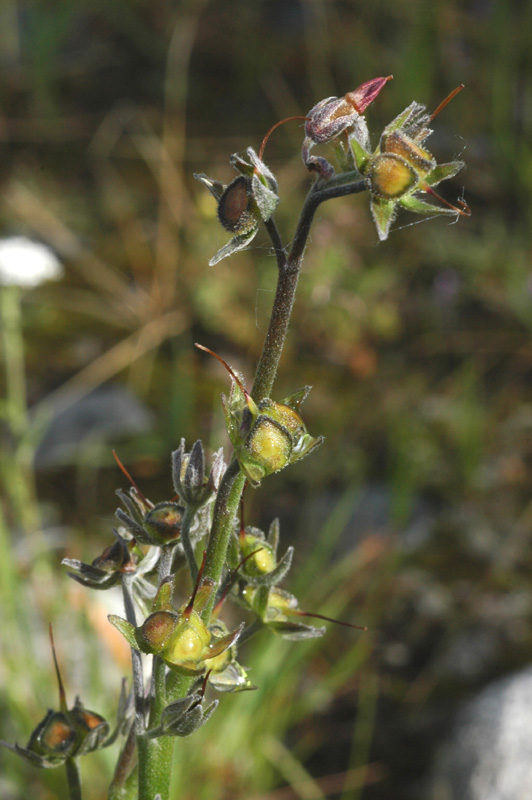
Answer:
(489, 753)
(106, 413)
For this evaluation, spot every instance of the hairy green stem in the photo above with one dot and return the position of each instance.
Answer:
(155, 766)
(16, 470)
(165, 562)
(225, 510)
(13, 351)
(289, 268)
(157, 691)
(73, 779)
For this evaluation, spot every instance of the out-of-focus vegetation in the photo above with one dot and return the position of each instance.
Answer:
(419, 350)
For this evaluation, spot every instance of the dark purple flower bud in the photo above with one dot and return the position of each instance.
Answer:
(334, 115)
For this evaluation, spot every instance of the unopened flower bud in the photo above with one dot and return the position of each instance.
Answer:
(188, 472)
(334, 115)
(267, 436)
(164, 522)
(183, 717)
(258, 554)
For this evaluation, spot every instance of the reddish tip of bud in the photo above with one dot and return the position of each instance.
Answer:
(366, 93)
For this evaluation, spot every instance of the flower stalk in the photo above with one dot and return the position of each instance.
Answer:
(191, 646)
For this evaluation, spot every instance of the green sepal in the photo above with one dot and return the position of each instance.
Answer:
(344, 156)
(186, 668)
(276, 574)
(41, 761)
(294, 631)
(265, 198)
(413, 120)
(443, 171)
(216, 188)
(231, 679)
(108, 568)
(305, 445)
(89, 576)
(383, 212)
(296, 399)
(413, 203)
(203, 595)
(360, 154)
(255, 167)
(132, 525)
(127, 630)
(163, 599)
(238, 242)
(259, 601)
(218, 646)
(274, 534)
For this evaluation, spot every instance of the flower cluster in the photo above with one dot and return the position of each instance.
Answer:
(395, 173)
(401, 168)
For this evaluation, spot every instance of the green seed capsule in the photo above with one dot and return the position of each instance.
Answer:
(164, 522)
(157, 630)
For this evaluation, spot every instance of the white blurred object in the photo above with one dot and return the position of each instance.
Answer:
(488, 755)
(26, 263)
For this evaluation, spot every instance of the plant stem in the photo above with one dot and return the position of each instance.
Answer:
(155, 766)
(155, 755)
(13, 347)
(16, 471)
(73, 779)
(165, 562)
(289, 268)
(157, 691)
(136, 658)
(225, 510)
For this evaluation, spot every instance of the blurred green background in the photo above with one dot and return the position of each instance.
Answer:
(415, 516)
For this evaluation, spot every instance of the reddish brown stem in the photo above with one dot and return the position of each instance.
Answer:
(465, 211)
(226, 365)
(132, 482)
(447, 100)
(232, 579)
(188, 610)
(329, 619)
(62, 695)
(277, 124)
